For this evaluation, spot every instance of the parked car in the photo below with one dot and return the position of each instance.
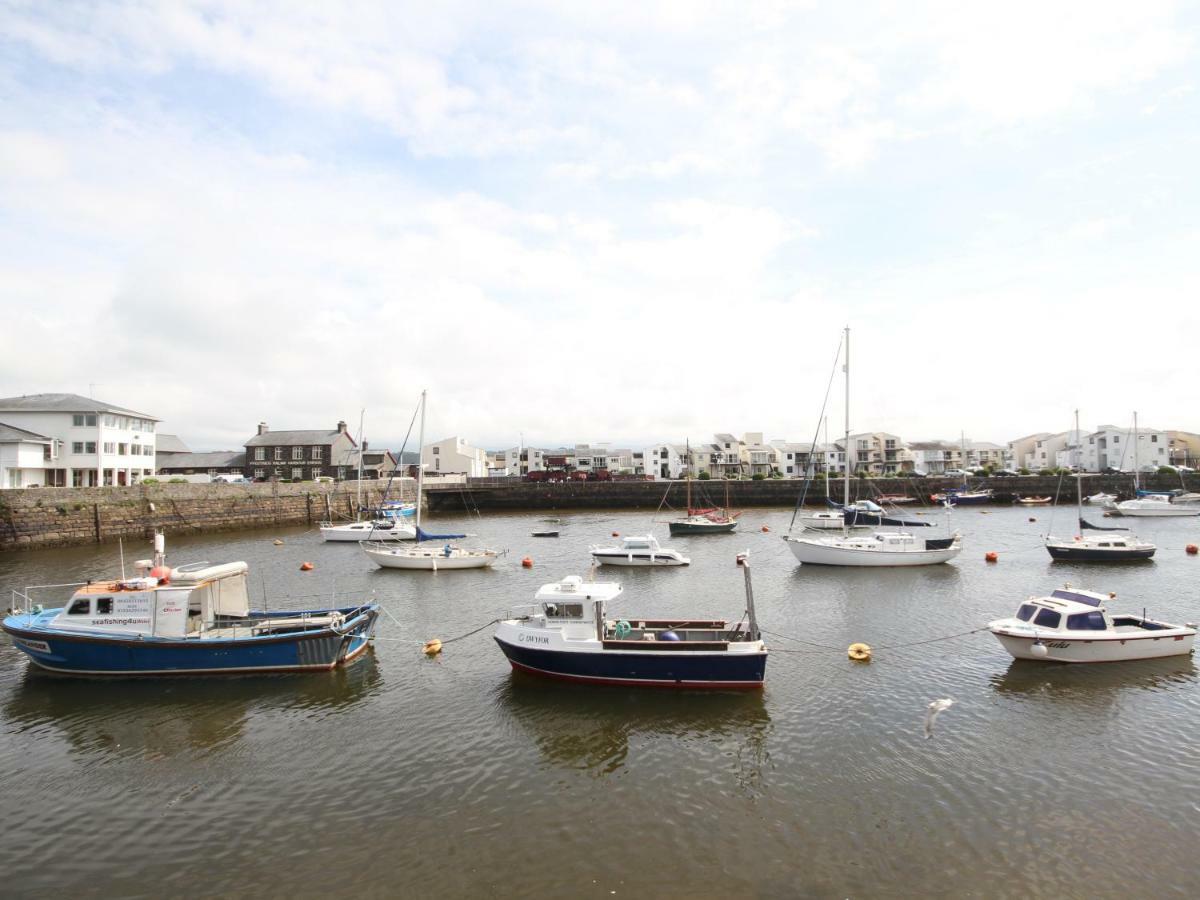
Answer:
(955, 473)
(915, 473)
(1004, 473)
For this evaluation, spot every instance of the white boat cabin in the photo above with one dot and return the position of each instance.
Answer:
(572, 606)
(171, 603)
(1068, 611)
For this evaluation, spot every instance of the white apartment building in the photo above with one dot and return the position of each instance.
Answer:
(879, 453)
(982, 454)
(519, 460)
(935, 457)
(1020, 451)
(1046, 449)
(453, 455)
(1113, 447)
(792, 459)
(94, 443)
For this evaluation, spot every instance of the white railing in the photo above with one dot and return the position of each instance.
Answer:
(26, 594)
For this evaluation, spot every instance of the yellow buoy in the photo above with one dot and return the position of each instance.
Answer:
(278, 543)
(433, 647)
(859, 652)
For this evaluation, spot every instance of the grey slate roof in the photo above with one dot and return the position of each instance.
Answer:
(169, 443)
(10, 434)
(70, 403)
(220, 459)
(323, 437)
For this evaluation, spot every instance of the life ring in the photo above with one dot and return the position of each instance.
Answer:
(623, 630)
(859, 652)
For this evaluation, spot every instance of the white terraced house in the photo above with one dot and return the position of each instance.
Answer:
(94, 443)
(1112, 447)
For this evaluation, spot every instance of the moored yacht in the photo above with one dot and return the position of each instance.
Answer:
(883, 548)
(1074, 626)
(639, 550)
(567, 634)
(375, 530)
(1107, 546)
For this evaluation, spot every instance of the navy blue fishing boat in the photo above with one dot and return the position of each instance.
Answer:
(567, 635)
(182, 621)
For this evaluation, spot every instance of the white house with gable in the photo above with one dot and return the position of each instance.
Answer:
(453, 455)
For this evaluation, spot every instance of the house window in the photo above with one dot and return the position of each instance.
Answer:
(1116, 439)
(315, 474)
(1154, 438)
(77, 421)
(316, 452)
(279, 453)
(77, 446)
(260, 453)
(122, 449)
(110, 447)
(297, 453)
(297, 474)
(110, 421)
(435, 450)
(260, 473)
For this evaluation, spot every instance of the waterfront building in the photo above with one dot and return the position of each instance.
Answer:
(793, 458)
(935, 457)
(301, 455)
(24, 457)
(758, 457)
(984, 454)
(453, 455)
(1183, 449)
(1112, 447)
(518, 460)
(166, 448)
(668, 461)
(218, 462)
(93, 442)
(879, 453)
(1020, 451)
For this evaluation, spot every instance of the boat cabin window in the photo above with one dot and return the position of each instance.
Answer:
(1025, 613)
(1089, 621)
(80, 607)
(1047, 618)
(564, 610)
(104, 606)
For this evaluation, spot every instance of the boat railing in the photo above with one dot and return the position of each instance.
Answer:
(25, 596)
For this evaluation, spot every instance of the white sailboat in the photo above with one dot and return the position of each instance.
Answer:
(378, 529)
(425, 555)
(1146, 506)
(880, 548)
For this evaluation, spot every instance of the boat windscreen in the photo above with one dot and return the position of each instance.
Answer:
(1075, 596)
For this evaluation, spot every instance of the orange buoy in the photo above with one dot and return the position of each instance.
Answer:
(616, 534)
(1033, 518)
(432, 647)
(765, 528)
(991, 556)
(1192, 549)
(306, 567)
(527, 562)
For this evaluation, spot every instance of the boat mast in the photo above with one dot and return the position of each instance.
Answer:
(1079, 473)
(743, 560)
(420, 465)
(687, 473)
(358, 489)
(1136, 484)
(846, 474)
(812, 453)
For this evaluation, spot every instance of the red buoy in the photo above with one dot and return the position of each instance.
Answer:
(991, 556)
(616, 534)
(527, 562)
(1192, 549)
(765, 528)
(306, 567)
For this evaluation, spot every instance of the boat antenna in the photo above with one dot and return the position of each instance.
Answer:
(121, 548)
(743, 560)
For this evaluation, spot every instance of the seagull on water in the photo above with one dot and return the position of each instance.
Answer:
(936, 708)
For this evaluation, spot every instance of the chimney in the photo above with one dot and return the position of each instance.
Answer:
(341, 428)
(364, 446)
(262, 427)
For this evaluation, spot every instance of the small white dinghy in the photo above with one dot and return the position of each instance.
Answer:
(1072, 625)
(639, 550)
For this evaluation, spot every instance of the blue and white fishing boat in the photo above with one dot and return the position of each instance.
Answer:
(567, 634)
(195, 619)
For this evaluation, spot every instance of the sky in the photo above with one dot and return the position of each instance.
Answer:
(628, 222)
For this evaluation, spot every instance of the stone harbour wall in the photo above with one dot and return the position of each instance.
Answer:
(57, 517)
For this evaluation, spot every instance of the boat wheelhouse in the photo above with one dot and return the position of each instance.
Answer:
(195, 619)
(1073, 625)
(639, 550)
(567, 634)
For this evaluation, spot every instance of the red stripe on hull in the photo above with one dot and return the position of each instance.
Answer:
(641, 682)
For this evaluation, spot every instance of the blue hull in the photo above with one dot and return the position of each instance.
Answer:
(89, 654)
(703, 670)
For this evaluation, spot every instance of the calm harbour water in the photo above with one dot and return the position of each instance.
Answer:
(455, 777)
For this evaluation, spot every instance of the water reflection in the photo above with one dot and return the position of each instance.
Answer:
(589, 728)
(162, 718)
(1093, 682)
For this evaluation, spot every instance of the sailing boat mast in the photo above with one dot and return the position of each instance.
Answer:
(1137, 486)
(1078, 460)
(846, 474)
(420, 465)
(358, 488)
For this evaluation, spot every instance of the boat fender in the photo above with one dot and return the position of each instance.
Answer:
(306, 567)
(668, 636)
(859, 652)
(1192, 549)
(432, 647)
(991, 556)
(765, 529)
(622, 630)
(1038, 649)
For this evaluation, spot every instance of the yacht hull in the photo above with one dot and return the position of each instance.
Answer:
(702, 527)
(635, 558)
(364, 532)
(813, 553)
(431, 560)
(1098, 554)
(1079, 650)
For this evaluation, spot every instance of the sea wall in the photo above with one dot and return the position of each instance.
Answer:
(495, 494)
(55, 517)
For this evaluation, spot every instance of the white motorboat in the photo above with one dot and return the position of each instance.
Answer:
(639, 550)
(1101, 499)
(1073, 625)
(378, 530)
(426, 555)
(883, 548)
